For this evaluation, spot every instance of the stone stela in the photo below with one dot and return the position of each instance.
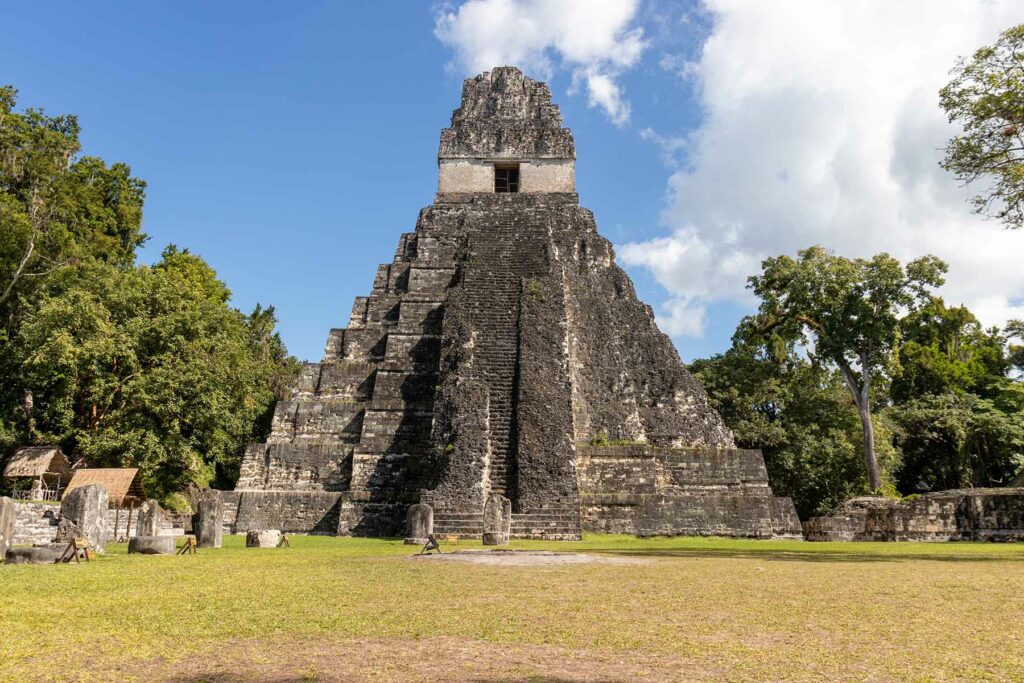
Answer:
(493, 355)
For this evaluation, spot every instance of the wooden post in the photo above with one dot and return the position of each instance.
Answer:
(117, 521)
(131, 508)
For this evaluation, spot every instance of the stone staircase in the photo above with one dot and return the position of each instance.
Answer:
(554, 524)
(496, 317)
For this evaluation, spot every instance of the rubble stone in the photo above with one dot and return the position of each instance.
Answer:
(983, 514)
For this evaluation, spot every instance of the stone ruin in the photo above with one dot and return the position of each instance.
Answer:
(503, 353)
(983, 514)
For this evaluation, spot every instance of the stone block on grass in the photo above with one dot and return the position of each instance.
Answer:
(151, 545)
(262, 538)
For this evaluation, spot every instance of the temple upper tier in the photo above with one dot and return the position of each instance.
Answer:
(506, 136)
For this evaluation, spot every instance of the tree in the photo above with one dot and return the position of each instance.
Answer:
(945, 350)
(986, 97)
(1015, 330)
(151, 367)
(956, 440)
(844, 313)
(54, 209)
(802, 418)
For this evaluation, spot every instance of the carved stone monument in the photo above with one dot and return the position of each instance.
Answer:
(419, 524)
(210, 519)
(150, 520)
(86, 508)
(497, 520)
(7, 517)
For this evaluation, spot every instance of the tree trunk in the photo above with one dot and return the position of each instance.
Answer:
(874, 476)
(862, 399)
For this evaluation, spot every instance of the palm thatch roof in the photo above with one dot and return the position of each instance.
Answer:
(38, 461)
(121, 484)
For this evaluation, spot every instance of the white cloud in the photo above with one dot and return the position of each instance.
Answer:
(822, 126)
(593, 39)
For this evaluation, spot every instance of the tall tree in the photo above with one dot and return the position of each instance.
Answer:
(55, 209)
(986, 97)
(844, 313)
(802, 418)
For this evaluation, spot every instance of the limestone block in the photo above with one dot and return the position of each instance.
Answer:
(151, 545)
(262, 538)
(151, 518)
(497, 520)
(209, 520)
(86, 508)
(45, 554)
(6, 523)
(419, 524)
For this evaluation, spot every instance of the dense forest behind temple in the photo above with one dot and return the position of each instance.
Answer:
(119, 363)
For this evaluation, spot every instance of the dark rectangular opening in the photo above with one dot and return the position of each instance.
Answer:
(506, 178)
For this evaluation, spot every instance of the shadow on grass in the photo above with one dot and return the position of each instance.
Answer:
(808, 555)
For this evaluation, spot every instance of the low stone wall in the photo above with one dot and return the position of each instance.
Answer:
(309, 512)
(35, 522)
(956, 515)
(650, 490)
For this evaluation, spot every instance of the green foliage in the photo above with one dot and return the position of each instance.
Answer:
(986, 97)
(840, 312)
(150, 367)
(943, 350)
(176, 502)
(803, 419)
(957, 440)
(141, 366)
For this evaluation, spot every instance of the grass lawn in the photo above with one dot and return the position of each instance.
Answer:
(679, 609)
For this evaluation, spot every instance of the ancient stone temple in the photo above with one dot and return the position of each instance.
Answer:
(502, 351)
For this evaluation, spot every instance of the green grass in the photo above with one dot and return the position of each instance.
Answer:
(696, 608)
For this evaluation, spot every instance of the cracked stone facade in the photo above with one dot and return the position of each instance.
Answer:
(500, 343)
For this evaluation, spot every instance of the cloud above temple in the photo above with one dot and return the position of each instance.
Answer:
(594, 40)
(821, 126)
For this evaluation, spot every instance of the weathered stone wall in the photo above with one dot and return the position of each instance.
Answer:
(956, 515)
(35, 522)
(289, 511)
(477, 176)
(650, 490)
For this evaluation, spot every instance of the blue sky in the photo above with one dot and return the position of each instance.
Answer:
(290, 145)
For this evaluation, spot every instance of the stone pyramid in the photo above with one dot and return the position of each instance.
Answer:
(502, 351)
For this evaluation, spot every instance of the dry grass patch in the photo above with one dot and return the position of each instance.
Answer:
(697, 609)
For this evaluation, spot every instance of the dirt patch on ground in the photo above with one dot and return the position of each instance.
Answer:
(427, 659)
(524, 558)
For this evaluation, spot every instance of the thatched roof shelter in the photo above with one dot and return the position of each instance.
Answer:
(39, 462)
(123, 485)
